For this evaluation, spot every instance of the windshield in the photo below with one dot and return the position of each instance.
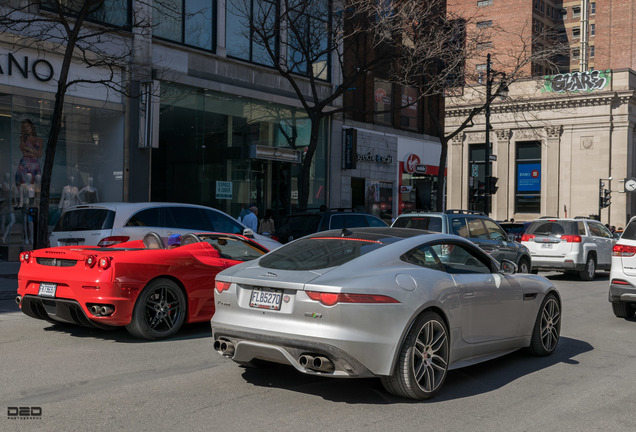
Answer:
(233, 248)
(319, 252)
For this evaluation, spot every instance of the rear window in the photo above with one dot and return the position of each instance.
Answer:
(429, 223)
(86, 220)
(630, 231)
(553, 228)
(318, 252)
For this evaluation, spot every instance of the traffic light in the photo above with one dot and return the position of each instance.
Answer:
(606, 198)
(491, 186)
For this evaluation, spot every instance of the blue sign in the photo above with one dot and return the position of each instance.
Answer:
(529, 177)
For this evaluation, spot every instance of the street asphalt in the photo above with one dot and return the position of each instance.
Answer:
(8, 279)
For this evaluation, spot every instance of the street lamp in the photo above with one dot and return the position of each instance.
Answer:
(502, 92)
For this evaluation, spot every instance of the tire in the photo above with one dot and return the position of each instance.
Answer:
(159, 312)
(547, 327)
(589, 272)
(623, 310)
(422, 362)
(524, 266)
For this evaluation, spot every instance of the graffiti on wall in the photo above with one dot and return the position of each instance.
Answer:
(577, 81)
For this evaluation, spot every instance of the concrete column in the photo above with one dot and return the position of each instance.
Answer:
(501, 169)
(550, 162)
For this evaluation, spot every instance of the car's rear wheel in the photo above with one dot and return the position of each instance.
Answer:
(524, 266)
(589, 272)
(423, 360)
(159, 311)
(623, 310)
(547, 327)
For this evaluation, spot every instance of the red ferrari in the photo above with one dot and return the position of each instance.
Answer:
(150, 289)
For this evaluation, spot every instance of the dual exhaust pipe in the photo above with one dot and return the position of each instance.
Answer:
(102, 310)
(316, 362)
(224, 347)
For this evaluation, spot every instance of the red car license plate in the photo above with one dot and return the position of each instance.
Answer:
(266, 298)
(47, 289)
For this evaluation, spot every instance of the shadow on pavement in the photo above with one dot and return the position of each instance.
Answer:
(461, 383)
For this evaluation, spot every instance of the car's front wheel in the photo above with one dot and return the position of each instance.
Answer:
(524, 266)
(423, 360)
(159, 311)
(589, 272)
(547, 327)
(623, 310)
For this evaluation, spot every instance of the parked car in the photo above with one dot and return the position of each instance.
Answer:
(300, 224)
(569, 245)
(394, 303)
(106, 224)
(622, 289)
(139, 284)
(475, 226)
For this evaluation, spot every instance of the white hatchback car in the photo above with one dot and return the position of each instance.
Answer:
(105, 224)
(569, 245)
(622, 290)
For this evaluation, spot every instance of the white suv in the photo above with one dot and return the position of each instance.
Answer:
(569, 245)
(105, 224)
(622, 290)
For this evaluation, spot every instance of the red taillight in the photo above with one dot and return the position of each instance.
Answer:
(104, 263)
(222, 286)
(571, 238)
(109, 241)
(623, 250)
(619, 282)
(90, 261)
(527, 237)
(25, 257)
(274, 238)
(330, 299)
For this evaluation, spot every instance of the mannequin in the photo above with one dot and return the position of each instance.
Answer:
(9, 200)
(69, 194)
(27, 199)
(88, 194)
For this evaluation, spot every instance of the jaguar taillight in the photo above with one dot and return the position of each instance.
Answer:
(331, 299)
(221, 286)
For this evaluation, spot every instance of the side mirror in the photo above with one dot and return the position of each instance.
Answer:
(248, 232)
(508, 267)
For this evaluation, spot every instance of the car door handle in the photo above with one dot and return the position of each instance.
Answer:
(469, 294)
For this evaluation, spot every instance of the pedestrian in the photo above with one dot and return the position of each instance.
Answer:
(243, 213)
(266, 225)
(251, 219)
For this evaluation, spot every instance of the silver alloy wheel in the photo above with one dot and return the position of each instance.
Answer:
(591, 268)
(550, 324)
(163, 309)
(430, 356)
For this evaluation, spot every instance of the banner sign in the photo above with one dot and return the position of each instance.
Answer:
(529, 177)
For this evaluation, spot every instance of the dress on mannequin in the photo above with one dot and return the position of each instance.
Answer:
(31, 147)
(69, 194)
(9, 201)
(88, 194)
(27, 199)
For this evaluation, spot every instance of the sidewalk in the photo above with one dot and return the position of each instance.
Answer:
(8, 279)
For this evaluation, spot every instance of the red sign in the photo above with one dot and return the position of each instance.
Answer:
(411, 161)
(534, 173)
(380, 94)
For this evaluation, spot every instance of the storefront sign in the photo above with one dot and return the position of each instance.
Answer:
(411, 161)
(39, 69)
(529, 177)
(577, 81)
(369, 157)
(349, 154)
(223, 190)
(275, 154)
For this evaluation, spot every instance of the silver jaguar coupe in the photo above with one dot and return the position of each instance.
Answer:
(399, 304)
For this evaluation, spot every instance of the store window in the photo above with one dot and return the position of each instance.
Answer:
(528, 178)
(241, 41)
(88, 163)
(382, 102)
(477, 177)
(113, 12)
(409, 114)
(213, 151)
(308, 37)
(188, 22)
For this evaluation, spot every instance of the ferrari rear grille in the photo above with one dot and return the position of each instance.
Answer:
(56, 262)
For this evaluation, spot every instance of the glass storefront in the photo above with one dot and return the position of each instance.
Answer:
(88, 164)
(216, 150)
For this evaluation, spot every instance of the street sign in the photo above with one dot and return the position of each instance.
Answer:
(493, 158)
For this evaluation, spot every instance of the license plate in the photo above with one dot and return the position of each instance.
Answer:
(547, 245)
(47, 289)
(266, 298)
(72, 242)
